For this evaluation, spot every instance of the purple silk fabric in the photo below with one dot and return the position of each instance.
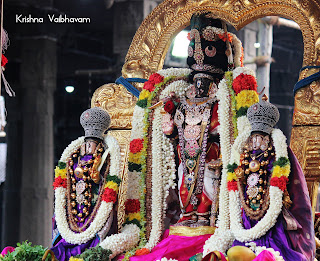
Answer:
(176, 247)
(64, 250)
(293, 234)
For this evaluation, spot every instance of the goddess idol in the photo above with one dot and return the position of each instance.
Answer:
(270, 210)
(86, 184)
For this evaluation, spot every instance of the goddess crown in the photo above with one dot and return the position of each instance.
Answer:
(95, 122)
(263, 116)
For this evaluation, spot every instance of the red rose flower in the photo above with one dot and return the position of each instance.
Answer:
(109, 195)
(59, 182)
(232, 185)
(149, 86)
(244, 82)
(132, 206)
(136, 145)
(281, 182)
(169, 107)
(156, 78)
(4, 61)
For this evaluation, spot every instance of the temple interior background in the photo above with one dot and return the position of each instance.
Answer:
(43, 118)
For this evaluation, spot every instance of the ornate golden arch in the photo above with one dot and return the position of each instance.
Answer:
(152, 40)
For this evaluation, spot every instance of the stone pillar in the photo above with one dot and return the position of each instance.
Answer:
(10, 204)
(128, 16)
(265, 50)
(38, 80)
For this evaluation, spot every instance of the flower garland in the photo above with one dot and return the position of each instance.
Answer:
(222, 238)
(276, 254)
(229, 106)
(162, 155)
(279, 178)
(123, 241)
(108, 198)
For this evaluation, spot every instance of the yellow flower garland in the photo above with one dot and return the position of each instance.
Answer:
(132, 216)
(135, 157)
(60, 173)
(246, 98)
(144, 94)
(112, 185)
(281, 171)
(232, 176)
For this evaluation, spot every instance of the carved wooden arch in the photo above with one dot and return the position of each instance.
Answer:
(152, 40)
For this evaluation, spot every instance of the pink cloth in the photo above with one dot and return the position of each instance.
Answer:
(7, 250)
(265, 255)
(177, 247)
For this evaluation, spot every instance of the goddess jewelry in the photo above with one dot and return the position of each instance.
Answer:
(80, 187)
(255, 168)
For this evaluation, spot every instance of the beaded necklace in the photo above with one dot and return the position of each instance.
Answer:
(80, 185)
(254, 180)
(193, 124)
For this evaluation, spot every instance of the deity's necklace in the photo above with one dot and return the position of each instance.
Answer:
(79, 185)
(193, 143)
(253, 181)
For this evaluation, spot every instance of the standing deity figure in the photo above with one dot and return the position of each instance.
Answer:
(269, 202)
(195, 119)
(86, 184)
(175, 151)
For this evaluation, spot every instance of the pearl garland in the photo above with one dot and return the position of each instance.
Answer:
(104, 209)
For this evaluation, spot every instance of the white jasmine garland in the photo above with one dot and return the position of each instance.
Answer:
(179, 87)
(276, 254)
(137, 123)
(244, 133)
(280, 144)
(174, 72)
(163, 162)
(125, 240)
(222, 238)
(245, 70)
(264, 225)
(157, 184)
(104, 209)
(221, 241)
(61, 219)
(223, 96)
(72, 147)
